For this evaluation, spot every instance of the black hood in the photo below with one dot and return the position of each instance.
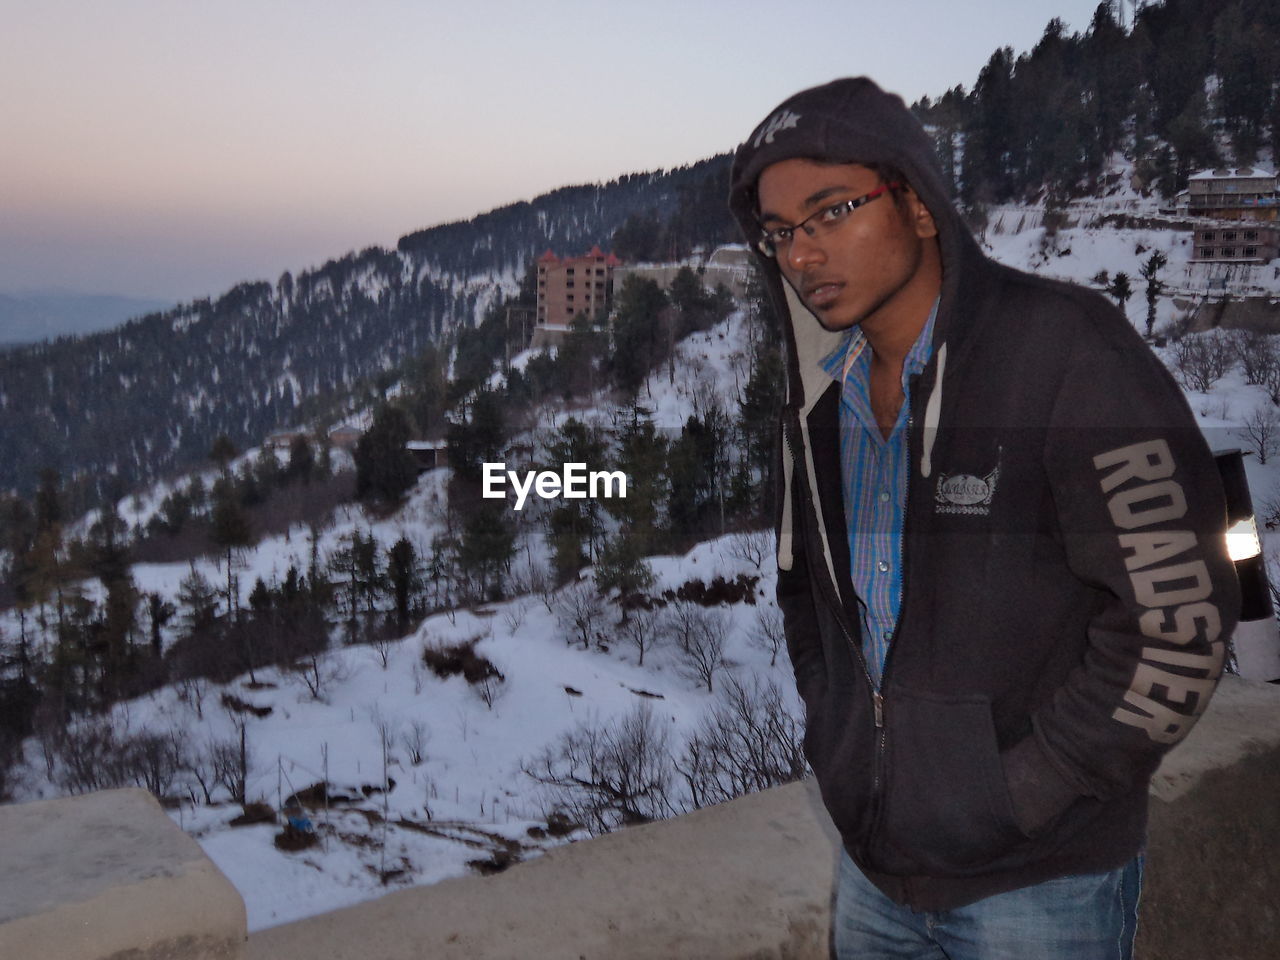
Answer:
(846, 121)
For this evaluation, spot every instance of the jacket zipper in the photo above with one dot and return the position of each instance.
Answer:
(881, 759)
(877, 698)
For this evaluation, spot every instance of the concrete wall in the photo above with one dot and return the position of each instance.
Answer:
(752, 879)
(749, 880)
(109, 876)
(1248, 313)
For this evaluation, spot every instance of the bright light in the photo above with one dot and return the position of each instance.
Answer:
(1242, 540)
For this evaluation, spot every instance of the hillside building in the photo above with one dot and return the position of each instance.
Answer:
(728, 264)
(1246, 203)
(572, 286)
(1246, 193)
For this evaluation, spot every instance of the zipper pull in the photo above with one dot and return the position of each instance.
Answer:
(878, 701)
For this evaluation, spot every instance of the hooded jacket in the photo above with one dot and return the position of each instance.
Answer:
(1067, 594)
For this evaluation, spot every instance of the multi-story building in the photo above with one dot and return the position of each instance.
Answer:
(574, 285)
(1247, 193)
(1244, 242)
(1246, 203)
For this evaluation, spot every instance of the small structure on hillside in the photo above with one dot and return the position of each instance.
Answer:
(345, 437)
(429, 454)
(283, 439)
(1246, 203)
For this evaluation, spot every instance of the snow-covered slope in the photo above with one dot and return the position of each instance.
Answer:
(470, 798)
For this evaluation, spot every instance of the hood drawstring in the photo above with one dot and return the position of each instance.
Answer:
(932, 414)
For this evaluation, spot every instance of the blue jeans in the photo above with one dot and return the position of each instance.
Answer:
(1087, 917)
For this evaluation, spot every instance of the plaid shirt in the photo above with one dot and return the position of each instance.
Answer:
(874, 471)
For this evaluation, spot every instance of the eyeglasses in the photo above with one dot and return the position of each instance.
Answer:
(778, 239)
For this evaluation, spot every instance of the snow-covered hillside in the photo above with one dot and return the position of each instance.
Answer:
(431, 775)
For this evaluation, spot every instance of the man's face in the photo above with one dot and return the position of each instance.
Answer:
(863, 269)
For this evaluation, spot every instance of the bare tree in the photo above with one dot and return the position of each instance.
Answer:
(317, 672)
(1202, 359)
(231, 762)
(490, 688)
(699, 635)
(200, 766)
(749, 741)
(383, 638)
(609, 776)
(642, 630)
(1256, 355)
(579, 609)
(415, 738)
(768, 634)
(192, 689)
(753, 547)
(89, 752)
(1262, 430)
(1271, 381)
(154, 761)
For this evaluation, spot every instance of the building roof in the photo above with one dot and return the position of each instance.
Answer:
(1239, 173)
(594, 255)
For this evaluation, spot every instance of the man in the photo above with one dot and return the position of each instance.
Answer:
(1000, 547)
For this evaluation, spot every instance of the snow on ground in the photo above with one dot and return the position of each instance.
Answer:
(469, 797)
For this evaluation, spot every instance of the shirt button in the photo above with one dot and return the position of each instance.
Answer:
(883, 566)
(884, 496)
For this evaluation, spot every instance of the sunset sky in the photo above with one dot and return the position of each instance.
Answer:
(172, 149)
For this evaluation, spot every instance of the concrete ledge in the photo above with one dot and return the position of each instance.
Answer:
(109, 876)
(749, 879)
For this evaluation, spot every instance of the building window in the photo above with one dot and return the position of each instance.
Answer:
(1229, 235)
(1251, 234)
(568, 272)
(1226, 252)
(1250, 251)
(568, 284)
(1208, 237)
(1206, 252)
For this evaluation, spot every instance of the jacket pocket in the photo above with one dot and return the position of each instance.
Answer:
(946, 809)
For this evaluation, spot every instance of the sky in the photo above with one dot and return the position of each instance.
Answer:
(171, 150)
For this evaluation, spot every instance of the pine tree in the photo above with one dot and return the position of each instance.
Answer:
(485, 549)
(230, 531)
(1150, 272)
(404, 578)
(621, 566)
(1120, 289)
(638, 343)
(642, 456)
(385, 469)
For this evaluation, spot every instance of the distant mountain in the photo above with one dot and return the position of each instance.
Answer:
(117, 408)
(47, 315)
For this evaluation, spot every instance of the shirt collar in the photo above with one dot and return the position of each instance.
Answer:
(840, 361)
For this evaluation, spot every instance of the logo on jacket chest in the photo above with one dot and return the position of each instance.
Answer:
(965, 493)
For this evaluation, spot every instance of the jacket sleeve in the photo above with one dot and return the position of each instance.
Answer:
(1142, 517)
